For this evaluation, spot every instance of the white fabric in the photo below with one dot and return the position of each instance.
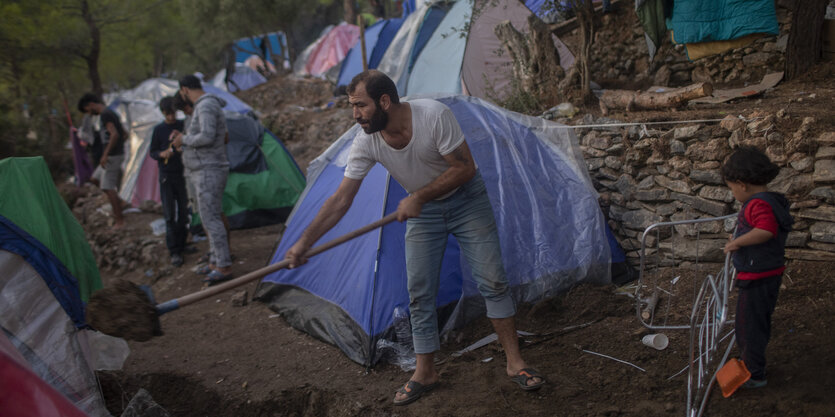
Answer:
(435, 133)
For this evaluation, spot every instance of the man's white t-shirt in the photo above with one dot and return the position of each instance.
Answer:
(435, 133)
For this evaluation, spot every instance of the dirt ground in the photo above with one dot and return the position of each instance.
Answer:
(217, 359)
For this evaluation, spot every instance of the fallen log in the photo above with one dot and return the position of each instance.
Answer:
(649, 100)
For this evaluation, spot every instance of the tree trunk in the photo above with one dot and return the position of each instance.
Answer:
(350, 11)
(92, 57)
(631, 100)
(536, 62)
(585, 18)
(804, 46)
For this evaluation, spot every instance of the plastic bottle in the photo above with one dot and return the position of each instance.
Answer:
(403, 327)
(403, 348)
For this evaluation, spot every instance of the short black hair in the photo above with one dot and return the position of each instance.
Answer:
(166, 105)
(179, 103)
(87, 99)
(192, 82)
(376, 84)
(750, 166)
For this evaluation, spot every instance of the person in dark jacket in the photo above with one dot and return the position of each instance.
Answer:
(758, 247)
(172, 183)
(207, 166)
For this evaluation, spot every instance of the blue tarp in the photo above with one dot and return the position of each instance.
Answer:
(431, 21)
(352, 64)
(551, 228)
(717, 20)
(384, 40)
(377, 39)
(276, 47)
(57, 277)
(232, 103)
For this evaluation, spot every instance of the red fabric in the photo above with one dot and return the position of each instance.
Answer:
(22, 393)
(759, 215)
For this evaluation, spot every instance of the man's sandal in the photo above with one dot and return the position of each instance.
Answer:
(413, 391)
(528, 374)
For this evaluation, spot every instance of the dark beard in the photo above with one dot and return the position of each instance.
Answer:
(379, 120)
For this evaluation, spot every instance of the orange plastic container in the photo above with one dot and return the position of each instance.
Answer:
(731, 376)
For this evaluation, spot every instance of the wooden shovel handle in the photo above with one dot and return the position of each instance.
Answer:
(260, 273)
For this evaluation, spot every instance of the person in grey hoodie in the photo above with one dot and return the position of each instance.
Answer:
(207, 167)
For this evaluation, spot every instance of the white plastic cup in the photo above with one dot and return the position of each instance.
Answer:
(657, 341)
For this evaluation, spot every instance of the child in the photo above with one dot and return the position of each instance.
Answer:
(172, 183)
(758, 248)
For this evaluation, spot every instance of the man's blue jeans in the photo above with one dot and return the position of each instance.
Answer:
(467, 215)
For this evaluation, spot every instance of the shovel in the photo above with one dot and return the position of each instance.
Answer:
(128, 311)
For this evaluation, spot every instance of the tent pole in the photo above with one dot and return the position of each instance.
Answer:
(362, 42)
(372, 348)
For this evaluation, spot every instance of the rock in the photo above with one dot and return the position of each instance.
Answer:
(712, 176)
(701, 75)
(634, 157)
(791, 182)
(680, 77)
(731, 123)
(702, 250)
(640, 219)
(680, 164)
(797, 239)
(781, 43)
(823, 232)
(826, 152)
(625, 185)
(673, 185)
(799, 205)
(825, 213)
(823, 193)
(801, 162)
(595, 163)
(613, 162)
(684, 133)
(756, 59)
(824, 171)
(646, 183)
(706, 206)
(761, 126)
(240, 299)
(657, 194)
(829, 247)
(777, 154)
(707, 165)
(662, 76)
(827, 138)
(712, 150)
(616, 149)
(656, 158)
(594, 140)
(677, 147)
(810, 255)
(608, 174)
(717, 193)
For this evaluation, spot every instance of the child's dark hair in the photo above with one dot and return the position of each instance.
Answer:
(87, 99)
(749, 165)
(166, 105)
(179, 103)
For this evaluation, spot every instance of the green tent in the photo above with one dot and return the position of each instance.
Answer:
(264, 180)
(32, 211)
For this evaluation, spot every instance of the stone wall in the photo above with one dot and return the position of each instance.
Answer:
(620, 56)
(647, 175)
